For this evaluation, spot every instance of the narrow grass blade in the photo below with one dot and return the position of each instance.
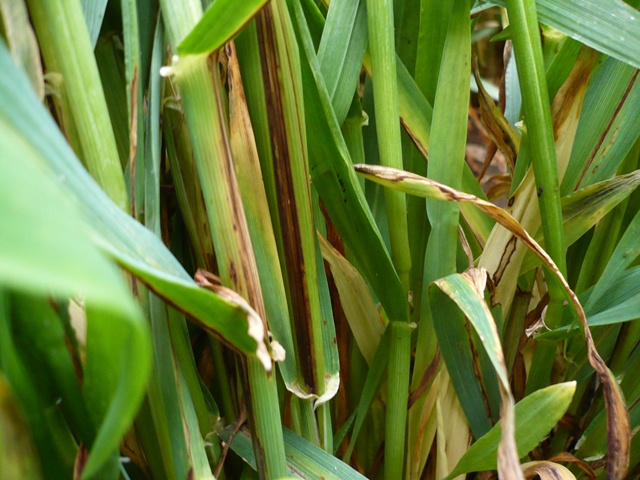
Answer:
(617, 415)
(110, 228)
(342, 196)
(535, 100)
(284, 92)
(360, 309)
(608, 127)
(254, 199)
(625, 253)
(608, 26)
(111, 67)
(222, 20)
(304, 460)
(94, 14)
(153, 137)
(535, 416)
(385, 96)
(134, 88)
(467, 291)
(179, 401)
(342, 47)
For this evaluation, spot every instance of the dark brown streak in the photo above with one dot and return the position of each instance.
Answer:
(477, 371)
(608, 128)
(237, 425)
(425, 381)
(572, 89)
(291, 235)
(509, 250)
(246, 280)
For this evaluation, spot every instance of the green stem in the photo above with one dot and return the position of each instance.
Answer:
(398, 388)
(535, 98)
(201, 93)
(385, 94)
(65, 44)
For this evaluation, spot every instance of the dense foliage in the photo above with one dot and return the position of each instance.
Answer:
(346, 239)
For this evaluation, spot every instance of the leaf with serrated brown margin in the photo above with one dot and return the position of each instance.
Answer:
(619, 432)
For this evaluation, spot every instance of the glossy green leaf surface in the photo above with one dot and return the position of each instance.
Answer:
(222, 20)
(304, 460)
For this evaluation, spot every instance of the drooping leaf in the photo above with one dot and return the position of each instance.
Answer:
(536, 415)
(617, 414)
(467, 291)
(222, 20)
(122, 238)
(45, 249)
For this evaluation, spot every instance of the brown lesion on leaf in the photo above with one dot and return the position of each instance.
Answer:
(503, 135)
(564, 106)
(509, 250)
(477, 369)
(287, 204)
(81, 461)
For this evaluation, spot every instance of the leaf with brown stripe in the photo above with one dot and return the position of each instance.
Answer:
(617, 415)
(467, 291)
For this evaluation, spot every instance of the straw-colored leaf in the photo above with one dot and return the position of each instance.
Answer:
(359, 307)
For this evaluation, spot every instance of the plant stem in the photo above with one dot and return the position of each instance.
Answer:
(65, 44)
(202, 97)
(535, 98)
(385, 94)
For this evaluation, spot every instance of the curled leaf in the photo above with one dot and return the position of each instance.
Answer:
(547, 471)
(617, 414)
